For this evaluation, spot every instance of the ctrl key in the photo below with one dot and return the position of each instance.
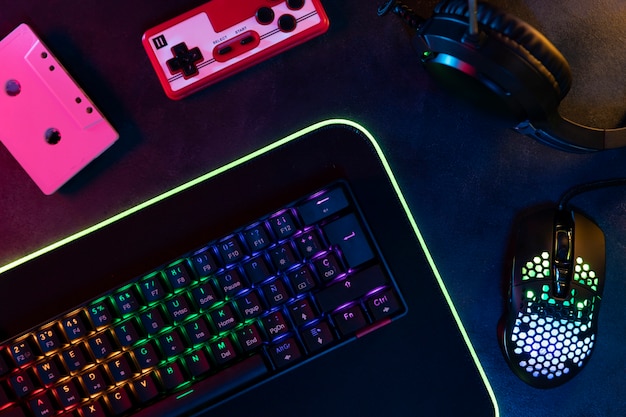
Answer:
(383, 304)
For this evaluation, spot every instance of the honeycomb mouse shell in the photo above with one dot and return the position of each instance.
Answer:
(548, 340)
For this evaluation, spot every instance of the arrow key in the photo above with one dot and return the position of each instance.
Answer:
(317, 337)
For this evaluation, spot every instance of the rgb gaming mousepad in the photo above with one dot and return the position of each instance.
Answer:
(420, 364)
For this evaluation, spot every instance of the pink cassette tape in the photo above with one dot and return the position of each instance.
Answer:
(47, 122)
(222, 37)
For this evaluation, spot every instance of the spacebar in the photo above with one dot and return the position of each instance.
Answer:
(205, 392)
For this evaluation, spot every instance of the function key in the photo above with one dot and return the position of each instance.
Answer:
(23, 352)
(283, 224)
(257, 237)
(178, 275)
(49, 339)
(152, 288)
(230, 249)
(204, 262)
(100, 313)
(75, 326)
(126, 300)
(322, 205)
(350, 320)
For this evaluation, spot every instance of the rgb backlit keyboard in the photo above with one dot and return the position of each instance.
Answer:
(274, 293)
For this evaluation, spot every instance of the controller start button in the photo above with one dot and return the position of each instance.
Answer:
(287, 23)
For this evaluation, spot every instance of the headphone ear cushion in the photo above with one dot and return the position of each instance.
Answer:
(549, 61)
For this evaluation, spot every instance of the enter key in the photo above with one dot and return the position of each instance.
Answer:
(347, 234)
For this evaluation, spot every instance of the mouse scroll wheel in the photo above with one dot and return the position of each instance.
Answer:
(563, 249)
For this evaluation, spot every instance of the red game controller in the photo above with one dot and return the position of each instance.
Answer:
(222, 37)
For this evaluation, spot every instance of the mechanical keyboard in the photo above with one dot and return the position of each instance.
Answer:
(264, 286)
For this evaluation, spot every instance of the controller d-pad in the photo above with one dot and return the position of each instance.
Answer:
(185, 60)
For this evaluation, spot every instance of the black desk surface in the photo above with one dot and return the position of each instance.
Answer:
(465, 173)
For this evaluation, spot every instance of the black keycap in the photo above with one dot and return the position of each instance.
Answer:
(302, 280)
(350, 319)
(309, 244)
(317, 337)
(23, 383)
(94, 381)
(223, 350)
(126, 301)
(285, 352)
(127, 332)
(283, 256)
(230, 250)
(224, 318)
(178, 275)
(147, 355)
(250, 305)
(302, 312)
(49, 339)
(350, 288)
(323, 205)
(152, 288)
(172, 343)
(383, 304)
(100, 313)
(257, 270)
(178, 308)
(96, 408)
(231, 282)
(153, 321)
(42, 405)
(76, 357)
(347, 234)
(13, 412)
(50, 371)
(249, 337)
(197, 362)
(328, 267)
(68, 393)
(283, 224)
(275, 324)
(23, 352)
(119, 401)
(234, 377)
(171, 375)
(204, 262)
(276, 293)
(102, 345)
(204, 296)
(120, 368)
(256, 237)
(198, 331)
(146, 388)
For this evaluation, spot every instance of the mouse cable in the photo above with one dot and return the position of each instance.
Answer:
(401, 10)
(591, 186)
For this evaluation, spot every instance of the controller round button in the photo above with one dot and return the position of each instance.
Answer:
(53, 136)
(13, 88)
(265, 15)
(295, 4)
(287, 23)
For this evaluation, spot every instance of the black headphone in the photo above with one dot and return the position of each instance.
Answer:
(476, 46)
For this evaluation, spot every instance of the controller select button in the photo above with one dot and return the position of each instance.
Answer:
(287, 23)
(265, 15)
(185, 60)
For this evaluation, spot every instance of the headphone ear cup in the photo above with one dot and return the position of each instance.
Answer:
(509, 57)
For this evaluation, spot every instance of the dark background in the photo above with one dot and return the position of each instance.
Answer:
(465, 174)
